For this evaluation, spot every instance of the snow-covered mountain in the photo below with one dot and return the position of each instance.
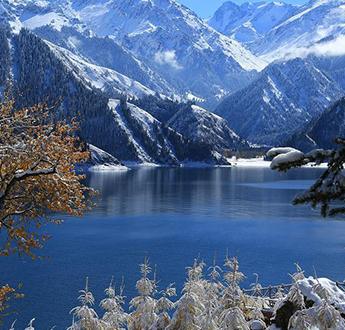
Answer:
(317, 27)
(58, 23)
(40, 73)
(107, 80)
(322, 132)
(159, 53)
(276, 30)
(250, 21)
(178, 50)
(142, 138)
(199, 124)
(101, 161)
(284, 98)
(333, 66)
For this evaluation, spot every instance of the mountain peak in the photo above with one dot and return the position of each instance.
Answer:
(250, 21)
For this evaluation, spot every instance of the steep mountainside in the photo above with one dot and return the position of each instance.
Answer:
(181, 52)
(316, 28)
(285, 97)
(322, 132)
(125, 131)
(275, 30)
(199, 124)
(333, 66)
(250, 21)
(59, 24)
(107, 80)
(142, 138)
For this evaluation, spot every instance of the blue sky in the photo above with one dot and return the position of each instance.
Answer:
(205, 8)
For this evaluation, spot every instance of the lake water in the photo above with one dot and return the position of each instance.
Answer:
(173, 216)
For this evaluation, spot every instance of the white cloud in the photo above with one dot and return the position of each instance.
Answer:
(331, 48)
(334, 47)
(169, 58)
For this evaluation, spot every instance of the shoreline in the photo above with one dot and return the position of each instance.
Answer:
(233, 163)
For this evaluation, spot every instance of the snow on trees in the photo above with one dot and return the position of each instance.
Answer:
(37, 175)
(214, 302)
(328, 191)
(85, 316)
(37, 179)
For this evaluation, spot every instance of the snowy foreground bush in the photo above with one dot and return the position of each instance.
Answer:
(212, 299)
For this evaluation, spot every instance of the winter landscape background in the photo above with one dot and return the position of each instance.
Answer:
(169, 104)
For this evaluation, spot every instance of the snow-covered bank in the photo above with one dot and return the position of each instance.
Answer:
(261, 163)
(108, 168)
(250, 162)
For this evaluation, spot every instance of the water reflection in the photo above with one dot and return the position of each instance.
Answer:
(172, 216)
(219, 191)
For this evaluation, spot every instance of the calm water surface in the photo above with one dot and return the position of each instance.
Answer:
(173, 216)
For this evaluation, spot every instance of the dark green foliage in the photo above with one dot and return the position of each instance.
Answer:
(41, 77)
(328, 192)
(4, 57)
(162, 109)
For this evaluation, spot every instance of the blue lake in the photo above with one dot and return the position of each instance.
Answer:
(173, 216)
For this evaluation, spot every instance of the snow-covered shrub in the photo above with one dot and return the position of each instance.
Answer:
(84, 316)
(214, 300)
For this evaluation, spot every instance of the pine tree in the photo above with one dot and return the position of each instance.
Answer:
(114, 317)
(191, 306)
(144, 305)
(85, 316)
(328, 191)
(163, 306)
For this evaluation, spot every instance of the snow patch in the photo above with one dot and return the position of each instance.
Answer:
(289, 157)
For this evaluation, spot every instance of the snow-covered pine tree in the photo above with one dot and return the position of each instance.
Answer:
(163, 306)
(210, 318)
(144, 306)
(84, 316)
(191, 306)
(328, 191)
(114, 317)
(232, 316)
(232, 293)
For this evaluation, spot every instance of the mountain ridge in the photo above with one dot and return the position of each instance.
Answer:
(285, 97)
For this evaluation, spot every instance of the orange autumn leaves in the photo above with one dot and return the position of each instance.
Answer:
(37, 177)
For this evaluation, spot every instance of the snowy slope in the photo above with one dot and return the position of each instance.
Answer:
(124, 131)
(107, 80)
(199, 124)
(176, 52)
(101, 161)
(174, 43)
(333, 66)
(275, 30)
(284, 98)
(322, 132)
(316, 28)
(141, 138)
(250, 21)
